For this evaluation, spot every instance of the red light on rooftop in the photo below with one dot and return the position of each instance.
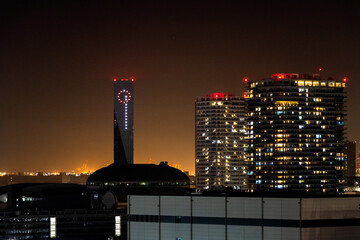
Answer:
(344, 79)
(246, 79)
(114, 79)
(217, 95)
(278, 75)
(320, 69)
(132, 79)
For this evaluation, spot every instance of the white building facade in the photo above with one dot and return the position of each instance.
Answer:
(219, 142)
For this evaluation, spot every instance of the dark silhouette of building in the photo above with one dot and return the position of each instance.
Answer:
(123, 121)
(110, 185)
(350, 162)
(351, 158)
(357, 166)
(56, 210)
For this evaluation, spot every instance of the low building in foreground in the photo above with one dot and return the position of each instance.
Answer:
(55, 210)
(321, 217)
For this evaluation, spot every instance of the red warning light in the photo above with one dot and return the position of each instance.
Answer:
(246, 79)
(320, 69)
(114, 79)
(132, 79)
(344, 79)
(217, 95)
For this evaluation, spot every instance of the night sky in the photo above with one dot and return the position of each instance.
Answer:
(58, 60)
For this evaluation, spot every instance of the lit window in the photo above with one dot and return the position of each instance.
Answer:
(53, 227)
(308, 83)
(117, 225)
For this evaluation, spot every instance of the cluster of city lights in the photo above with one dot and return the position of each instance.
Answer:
(34, 174)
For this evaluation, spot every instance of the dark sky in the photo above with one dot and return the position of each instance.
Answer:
(58, 59)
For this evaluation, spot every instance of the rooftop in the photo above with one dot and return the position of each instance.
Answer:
(138, 173)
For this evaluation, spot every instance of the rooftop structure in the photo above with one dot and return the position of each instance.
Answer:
(109, 186)
(138, 174)
(351, 160)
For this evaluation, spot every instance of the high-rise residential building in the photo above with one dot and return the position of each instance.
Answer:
(296, 133)
(123, 121)
(219, 142)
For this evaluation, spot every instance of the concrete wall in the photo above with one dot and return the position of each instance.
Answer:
(236, 218)
(330, 208)
(175, 206)
(209, 207)
(143, 205)
(247, 208)
(335, 211)
(281, 209)
(331, 233)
